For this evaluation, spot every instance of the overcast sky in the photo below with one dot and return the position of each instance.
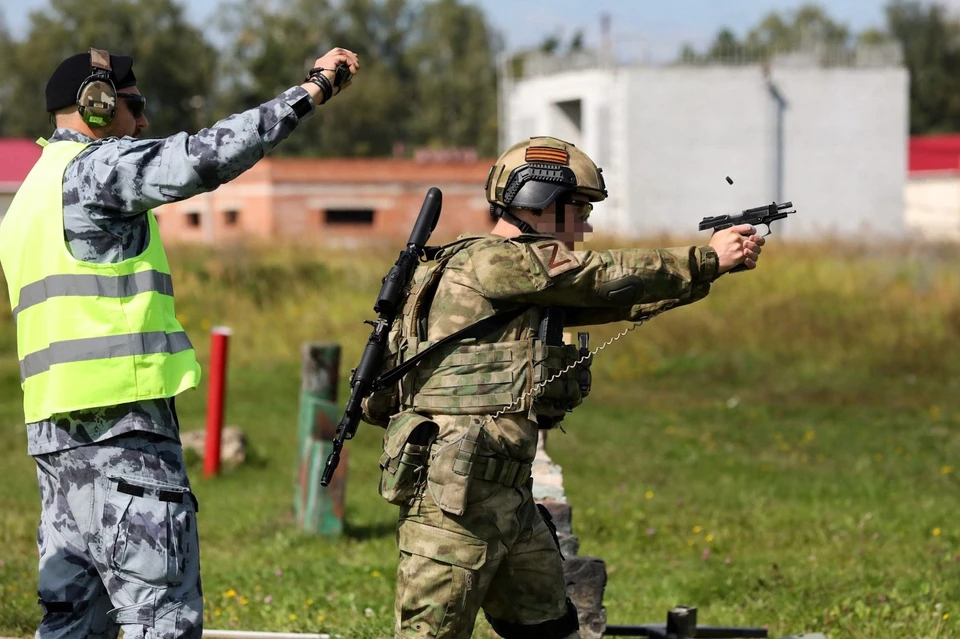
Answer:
(651, 30)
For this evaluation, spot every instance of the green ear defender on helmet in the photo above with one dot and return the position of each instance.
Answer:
(97, 97)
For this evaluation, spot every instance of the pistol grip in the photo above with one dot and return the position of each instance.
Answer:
(341, 75)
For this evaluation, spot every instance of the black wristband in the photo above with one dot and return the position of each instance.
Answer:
(316, 76)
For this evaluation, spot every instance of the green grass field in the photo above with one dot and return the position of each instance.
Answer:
(784, 452)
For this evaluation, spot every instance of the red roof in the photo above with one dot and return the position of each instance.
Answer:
(17, 157)
(935, 153)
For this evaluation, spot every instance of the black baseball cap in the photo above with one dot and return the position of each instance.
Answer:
(64, 84)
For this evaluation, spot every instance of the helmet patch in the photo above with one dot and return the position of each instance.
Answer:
(547, 154)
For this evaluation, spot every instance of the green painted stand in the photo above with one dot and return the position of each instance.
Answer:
(319, 510)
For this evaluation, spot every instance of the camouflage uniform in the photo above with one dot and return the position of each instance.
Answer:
(470, 536)
(118, 532)
(118, 541)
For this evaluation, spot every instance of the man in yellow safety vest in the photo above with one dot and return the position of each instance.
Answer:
(102, 355)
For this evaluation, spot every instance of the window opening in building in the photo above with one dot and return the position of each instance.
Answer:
(361, 217)
(568, 120)
(193, 219)
(232, 216)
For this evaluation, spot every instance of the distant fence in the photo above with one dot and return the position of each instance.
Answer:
(887, 54)
(815, 55)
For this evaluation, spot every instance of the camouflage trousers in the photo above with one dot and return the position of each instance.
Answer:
(499, 556)
(118, 541)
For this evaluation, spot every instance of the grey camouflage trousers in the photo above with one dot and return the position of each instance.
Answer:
(118, 541)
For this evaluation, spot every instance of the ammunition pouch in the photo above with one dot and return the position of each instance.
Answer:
(449, 488)
(559, 394)
(403, 464)
(508, 472)
(455, 466)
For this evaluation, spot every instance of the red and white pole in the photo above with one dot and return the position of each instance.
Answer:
(219, 336)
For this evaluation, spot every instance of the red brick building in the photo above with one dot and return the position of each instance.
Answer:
(341, 201)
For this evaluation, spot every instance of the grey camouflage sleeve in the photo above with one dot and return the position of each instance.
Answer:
(128, 176)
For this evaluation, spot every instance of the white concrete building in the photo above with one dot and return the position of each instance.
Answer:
(831, 139)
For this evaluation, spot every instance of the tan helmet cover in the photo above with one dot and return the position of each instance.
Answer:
(543, 161)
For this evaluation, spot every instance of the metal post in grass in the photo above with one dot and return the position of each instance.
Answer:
(319, 510)
(219, 337)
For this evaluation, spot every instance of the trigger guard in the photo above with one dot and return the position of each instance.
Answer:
(769, 230)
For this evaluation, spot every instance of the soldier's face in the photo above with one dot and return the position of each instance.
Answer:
(573, 227)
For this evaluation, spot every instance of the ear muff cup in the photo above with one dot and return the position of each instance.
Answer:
(97, 96)
(97, 102)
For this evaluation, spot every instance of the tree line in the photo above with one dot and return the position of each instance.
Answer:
(429, 67)
(428, 80)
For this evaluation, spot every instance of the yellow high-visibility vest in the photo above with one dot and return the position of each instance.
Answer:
(88, 335)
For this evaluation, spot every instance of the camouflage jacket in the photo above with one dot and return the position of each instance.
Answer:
(489, 274)
(107, 190)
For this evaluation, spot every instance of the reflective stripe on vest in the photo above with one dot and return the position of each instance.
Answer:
(113, 286)
(81, 350)
(89, 334)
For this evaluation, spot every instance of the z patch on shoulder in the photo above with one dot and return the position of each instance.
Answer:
(555, 258)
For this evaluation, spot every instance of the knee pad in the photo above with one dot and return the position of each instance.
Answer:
(551, 629)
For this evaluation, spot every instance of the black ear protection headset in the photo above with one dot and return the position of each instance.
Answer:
(97, 97)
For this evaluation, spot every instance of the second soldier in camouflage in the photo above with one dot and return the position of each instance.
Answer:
(462, 427)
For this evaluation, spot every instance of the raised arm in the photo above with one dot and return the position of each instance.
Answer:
(130, 175)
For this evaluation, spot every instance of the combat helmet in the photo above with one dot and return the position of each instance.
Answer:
(536, 172)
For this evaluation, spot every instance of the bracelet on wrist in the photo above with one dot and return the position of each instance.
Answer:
(316, 77)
